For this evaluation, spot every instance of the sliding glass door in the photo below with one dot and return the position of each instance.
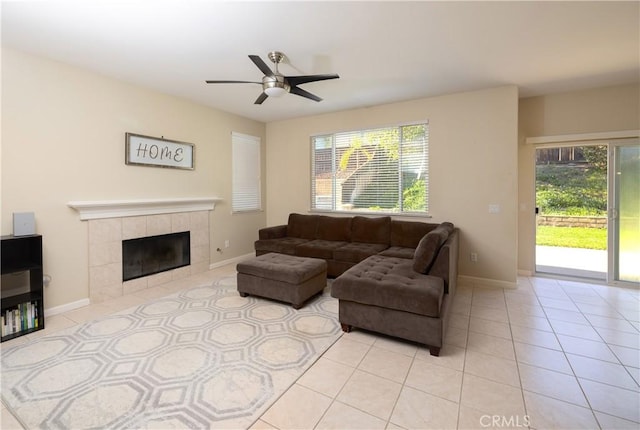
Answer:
(624, 215)
(571, 202)
(588, 201)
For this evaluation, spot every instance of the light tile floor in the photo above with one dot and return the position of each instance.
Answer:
(551, 354)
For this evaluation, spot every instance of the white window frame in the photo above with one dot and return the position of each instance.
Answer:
(246, 187)
(322, 202)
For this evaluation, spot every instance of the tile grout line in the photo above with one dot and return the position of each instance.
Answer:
(593, 411)
(515, 355)
(564, 353)
(334, 399)
(464, 361)
(402, 386)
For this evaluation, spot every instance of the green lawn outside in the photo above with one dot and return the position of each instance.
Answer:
(572, 237)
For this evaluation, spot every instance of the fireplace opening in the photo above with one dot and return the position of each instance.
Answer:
(154, 254)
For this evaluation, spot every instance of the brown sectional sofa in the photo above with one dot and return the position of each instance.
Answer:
(342, 241)
(393, 277)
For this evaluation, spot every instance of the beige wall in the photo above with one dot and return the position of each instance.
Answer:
(63, 139)
(473, 163)
(63, 134)
(593, 111)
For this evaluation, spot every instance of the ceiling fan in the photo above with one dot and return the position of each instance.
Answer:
(275, 83)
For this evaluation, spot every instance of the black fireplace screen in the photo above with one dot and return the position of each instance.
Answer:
(154, 254)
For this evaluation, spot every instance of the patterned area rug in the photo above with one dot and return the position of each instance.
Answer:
(201, 358)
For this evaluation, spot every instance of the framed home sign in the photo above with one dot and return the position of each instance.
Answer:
(158, 152)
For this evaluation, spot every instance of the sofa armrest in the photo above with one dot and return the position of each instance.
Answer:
(446, 263)
(275, 232)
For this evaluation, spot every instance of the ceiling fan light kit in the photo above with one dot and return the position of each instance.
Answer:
(275, 84)
(275, 91)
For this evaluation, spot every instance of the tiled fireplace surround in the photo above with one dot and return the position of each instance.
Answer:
(105, 250)
(108, 230)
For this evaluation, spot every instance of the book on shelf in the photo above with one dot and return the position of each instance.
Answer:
(20, 318)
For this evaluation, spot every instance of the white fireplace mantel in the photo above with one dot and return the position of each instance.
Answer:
(123, 208)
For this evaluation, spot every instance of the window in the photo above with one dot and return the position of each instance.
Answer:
(245, 159)
(378, 170)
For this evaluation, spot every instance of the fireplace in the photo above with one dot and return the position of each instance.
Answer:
(145, 256)
(110, 222)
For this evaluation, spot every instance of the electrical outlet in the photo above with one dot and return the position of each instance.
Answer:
(474, 257)
(226, 243)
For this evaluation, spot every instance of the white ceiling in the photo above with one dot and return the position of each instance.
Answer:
(383, 51)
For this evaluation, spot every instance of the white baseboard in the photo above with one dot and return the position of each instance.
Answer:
(525, 272)
(233, 260)
(85, 302)
(485, 282)
(66, 307)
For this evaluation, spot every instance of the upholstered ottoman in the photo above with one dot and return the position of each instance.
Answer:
(282, 277)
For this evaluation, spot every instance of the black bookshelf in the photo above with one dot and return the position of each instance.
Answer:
(21, 288)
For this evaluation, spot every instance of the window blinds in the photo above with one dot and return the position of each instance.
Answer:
(376, 170)
(246, 194)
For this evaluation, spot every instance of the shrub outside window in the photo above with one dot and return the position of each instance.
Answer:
(376, 170)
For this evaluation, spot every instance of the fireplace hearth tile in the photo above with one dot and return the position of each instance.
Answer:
(105, 251)
(108, 274)
(180, 222)
(158, 224)
(199, 254)
(181, 273)
(106, 292)
(199, 221)
(133, 227)
(160, 278)
(200, 238)
(105, 230)
(199, 267)
(134, 285)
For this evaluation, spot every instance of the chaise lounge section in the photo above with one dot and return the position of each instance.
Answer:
(405, 298)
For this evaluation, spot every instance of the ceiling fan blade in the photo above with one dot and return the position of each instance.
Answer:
(262, 97)
(261, 65)
(300, 92)
(233, 82)
(298, 80)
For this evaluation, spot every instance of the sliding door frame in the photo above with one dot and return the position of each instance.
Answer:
(611, 140)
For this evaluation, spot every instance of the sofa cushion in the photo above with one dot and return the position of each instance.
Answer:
(390, 282)
(429, 245)
(334, 228)
(355, 252)
(319, 248)
(285, 245)
(302, 226)
(275, 232)
(371, 230)
(399, 252)
(447, 226)
(407, 234)
(427, 250)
